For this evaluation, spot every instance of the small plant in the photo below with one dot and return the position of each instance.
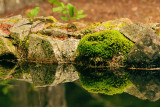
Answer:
(69, 11)
(33, 13)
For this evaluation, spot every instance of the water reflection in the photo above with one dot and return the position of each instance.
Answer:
(105, 81)
(67, 85)
(42, 75)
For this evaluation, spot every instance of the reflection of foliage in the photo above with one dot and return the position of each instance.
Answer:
(5, 68)
(102, 46)
(16, 93)
(77, 97)
(106, 82)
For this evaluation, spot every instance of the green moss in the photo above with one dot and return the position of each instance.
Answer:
(102, 46)
(1, 43)
(47, 49)
(104, 81)
(22, 45)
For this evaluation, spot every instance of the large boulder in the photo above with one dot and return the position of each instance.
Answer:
(135, 31)
(41, 49)
(50, 49)
(146, 51)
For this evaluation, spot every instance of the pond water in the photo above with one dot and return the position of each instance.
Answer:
(68, 85)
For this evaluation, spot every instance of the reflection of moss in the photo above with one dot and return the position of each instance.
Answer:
(101, 46)
(99, 81)
(43, 74)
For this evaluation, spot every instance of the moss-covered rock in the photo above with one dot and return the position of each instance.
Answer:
(102, 46)
(6, 48)
(41, 49)
(104, 81)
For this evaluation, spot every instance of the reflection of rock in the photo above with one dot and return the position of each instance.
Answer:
(5, 69)
(135, 92)
(42, 74)
(23, 94)
(147, 84)
(45, 74)
(65, 73)
(53, 96)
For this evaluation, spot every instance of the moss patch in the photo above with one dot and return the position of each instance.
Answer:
(102, 46)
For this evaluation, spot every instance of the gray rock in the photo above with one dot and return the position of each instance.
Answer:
(20, 32)
(135, 31)
(37, 26)
(56, 32)
(65, 73)
(68, 49)
(21, 29)
(50, 49)
(6, 47)
(21, 22)
(40, 49)
(146, 51)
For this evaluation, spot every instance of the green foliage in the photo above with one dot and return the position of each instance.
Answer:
(102, 46)
(33, 13)
(104, 81)
(68, 11)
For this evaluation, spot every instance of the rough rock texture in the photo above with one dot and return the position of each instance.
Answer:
(37, 26)
(65, 73)
(21, 29)
(56, 32)
(6, 47)
(135, 31)
(68, 49)
(50, 49)
(41, 49)
(146, 51)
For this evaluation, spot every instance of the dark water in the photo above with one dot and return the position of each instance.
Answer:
(67, 85)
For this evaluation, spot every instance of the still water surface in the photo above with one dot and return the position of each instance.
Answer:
(67, 85)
